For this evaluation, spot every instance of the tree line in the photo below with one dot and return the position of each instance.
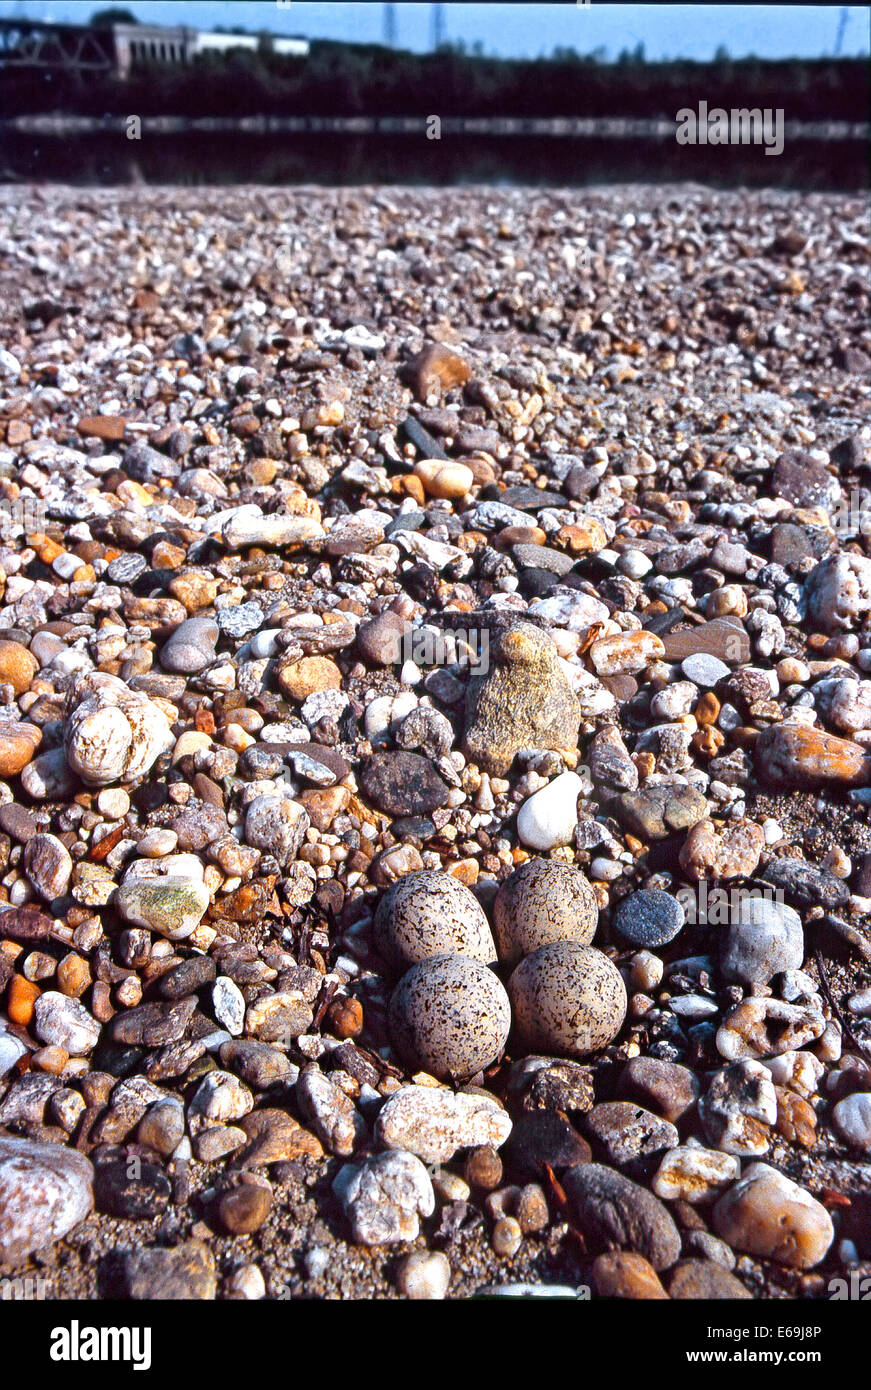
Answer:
(369, 79)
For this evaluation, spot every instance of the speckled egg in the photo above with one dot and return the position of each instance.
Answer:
(567, 998)
(428, 914)
(540, 902)
(449, 1016)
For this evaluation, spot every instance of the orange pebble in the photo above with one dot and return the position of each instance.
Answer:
(21, 997)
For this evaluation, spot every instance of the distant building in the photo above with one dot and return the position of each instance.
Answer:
(137, 45)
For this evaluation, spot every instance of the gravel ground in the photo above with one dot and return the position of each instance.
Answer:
(251, 442)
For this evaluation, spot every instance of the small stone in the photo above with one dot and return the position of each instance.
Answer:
(625, 1131)
(524, 701)
(18, 745)
(330, 1113)
(63, 1022)
(111, 732)
(258, 1064)
(275, 1137)
(435, 1124)
(567, 998)
(704, 670)
(659, 811)
(18, 666)
(623, 1274)
(425, 1274)
(666, 1087)
(704, 1279)
(48, 865)
(808, 885)
(228, 1004)
(170, 905)
(133, 1193)
(544, 1137)
(615, 1213)
(506, 1237)
(720, 638)
(766, 1027)
(308, 676)
(764, 939)
(277, 825)
(430, 913)
(380, 639)
(795, 757)
(384, 1197)
(246, 528)
(739, 1108)
(548, 818)
(540, 902)
(191, 648)
(244, 1209)
(768, 1215)
(162, 1127)
(627, 652)
(852, 1120)
(649, 917)
(451, 480)
(694, 1175)
(449, 1015)
(434, 369)
(838, 591)
(185, 1271)
(402, 784)
(45, 1191)
(733, 851)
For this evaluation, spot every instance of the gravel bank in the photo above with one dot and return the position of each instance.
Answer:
(350, 536)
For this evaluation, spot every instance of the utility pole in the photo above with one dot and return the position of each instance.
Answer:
(390, 26)
(437, 18)
(842, 24)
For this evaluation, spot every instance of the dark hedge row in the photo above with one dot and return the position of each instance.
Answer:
(345, 80)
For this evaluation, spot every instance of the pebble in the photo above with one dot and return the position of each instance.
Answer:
(112, 733)
(793, 757)
(649, 917)
(430, 913)
(542, 1137)
(567, 998)
(766, 1027)
(185, 1271)
(191, 648)
(549, 817)
(704, 1279)
(625, 1131)
(852, 1120)
(738, 1109)
(45, 1192)
(624, 1274)
(449, 1015)
(63, 1022)
(435, 1124)
(704, 670)
(228, 1003)
(170, 905)
(763, 939)
(734, 851)
(402, 784)
(766, 1214)
(277, 825)
(666, 1087)
(384, 1197)
(244, 1209)
(694, 1175)
(425, 1274)
(18, 744)
(617, 1214)
(523, 701)
(543, 901)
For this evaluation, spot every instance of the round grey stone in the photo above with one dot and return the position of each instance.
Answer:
(649, 917)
